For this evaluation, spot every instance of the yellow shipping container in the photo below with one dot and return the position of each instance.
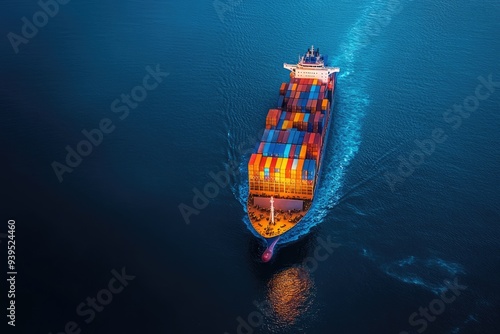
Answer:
(284, 162)
(296, 118)
(268, 162)
(294, 87)
(315, 81)
(278, 165)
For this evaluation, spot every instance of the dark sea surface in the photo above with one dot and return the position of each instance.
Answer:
(402, 233)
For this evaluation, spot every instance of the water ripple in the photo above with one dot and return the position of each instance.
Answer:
(427, 273)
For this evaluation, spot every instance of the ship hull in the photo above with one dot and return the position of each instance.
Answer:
(285, 170)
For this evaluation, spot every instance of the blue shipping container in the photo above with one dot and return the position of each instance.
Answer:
(277, 150)
(265, 135)
(301, 137)
(266, 149)
(281, 150)
(275, 136)
(288, 147)
(280, 101)
(269, 136)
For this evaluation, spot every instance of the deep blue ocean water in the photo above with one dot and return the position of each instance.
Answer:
(401, 232)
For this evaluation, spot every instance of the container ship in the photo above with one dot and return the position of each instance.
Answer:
(284, 170)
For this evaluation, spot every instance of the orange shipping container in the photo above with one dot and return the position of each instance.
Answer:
(324, 104)
(300, 166)
(296, 119)
(257, 162)
(283, 88)
(303, 151)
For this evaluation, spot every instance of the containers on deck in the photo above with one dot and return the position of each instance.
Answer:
(286, 160)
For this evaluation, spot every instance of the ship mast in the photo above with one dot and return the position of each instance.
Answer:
(272, 210)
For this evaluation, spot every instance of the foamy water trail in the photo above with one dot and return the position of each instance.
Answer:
(351, 102)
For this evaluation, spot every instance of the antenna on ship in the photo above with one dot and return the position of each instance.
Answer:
(272, 210)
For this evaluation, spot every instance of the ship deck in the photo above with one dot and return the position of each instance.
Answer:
(260, 218)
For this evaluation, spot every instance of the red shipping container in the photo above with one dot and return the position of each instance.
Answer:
(289, 166)
(292, 150)
(285, 137)
(262, 164)
(280, 137)
(318, 141)
(306, 138)
(273, 165)
(261, 147)
(308, 105)
(252, 160)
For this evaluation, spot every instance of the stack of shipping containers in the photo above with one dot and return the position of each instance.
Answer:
(286, 160)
